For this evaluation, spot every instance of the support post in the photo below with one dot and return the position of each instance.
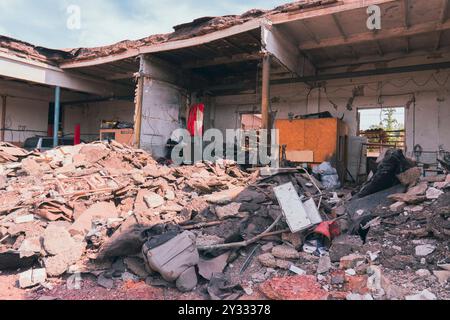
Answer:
(57, 115)
(2, 134)
(138, 112)
(265, 103)
(77, 137)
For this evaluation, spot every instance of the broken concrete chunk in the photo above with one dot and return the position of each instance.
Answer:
(57, 239)
(425, 250)
(407, 198)
(423, 273)
(230, 210)
(433, 193)
(424, 295)
(154, 200)
(268, 260)
(104, 282)
(443, 276)
(32, 278)
(410, 176)
(24, 219)
(324, 264)
(397, 207)
(418, 190)
(285, 252)
(30, 247)
(224, 197)
(57, 265)
(351, 261)
(102, 210)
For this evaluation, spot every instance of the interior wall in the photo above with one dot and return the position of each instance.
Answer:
(25, 118)
(426, 118)
(91, 115)
(163, 103)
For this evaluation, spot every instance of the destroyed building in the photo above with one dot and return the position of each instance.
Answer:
(311, 69)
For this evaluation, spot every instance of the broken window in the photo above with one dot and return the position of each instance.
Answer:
(384, 128)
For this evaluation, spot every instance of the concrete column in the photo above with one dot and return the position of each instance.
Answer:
(3, 118)
(162, 101)
(57, 116)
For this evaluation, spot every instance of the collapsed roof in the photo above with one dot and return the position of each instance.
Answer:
(193, 29)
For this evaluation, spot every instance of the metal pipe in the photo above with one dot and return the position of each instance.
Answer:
(3, 118)
(57, 115)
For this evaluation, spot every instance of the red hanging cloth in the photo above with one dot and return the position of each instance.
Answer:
(195, 121)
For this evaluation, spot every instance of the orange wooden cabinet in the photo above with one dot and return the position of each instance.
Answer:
(326, 138)
(124, 136)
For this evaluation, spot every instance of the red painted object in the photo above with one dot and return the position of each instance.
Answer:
(329, 229)
(77, 137)
(195, 121)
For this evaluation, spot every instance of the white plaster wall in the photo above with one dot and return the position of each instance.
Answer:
(431, 109)
(161, 107)
(91, 115)
(25, 118)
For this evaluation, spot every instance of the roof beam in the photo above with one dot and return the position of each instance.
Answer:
(41, 73)
(222, 60)
(279, 45)
(443, 18)
(406, 18)
(444, 12)
(381, 35)
(343, 33)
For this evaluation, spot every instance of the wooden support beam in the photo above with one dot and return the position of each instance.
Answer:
(406, 17)
(236, 46)
(339, 26)
(2, 134)
(138, 112)
(222, 60)
(444, 12)
(265, 93)
(381, 35)
(379, 49)
(437, 46)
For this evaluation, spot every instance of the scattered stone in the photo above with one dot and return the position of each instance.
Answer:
(32, 278)
(351, 261)
(424, 295)
(230, 210)
(268, 260)
(397, 207)
(407, 198)
(170, 195)
(154, 200)
(425, 250)
(294, 288)
(442, 276)
(293, 238)
(285, 252)
(433, 193)
(30, 247)
(324, 264)
(267, 247)
(297, 270)
(350, 272)
(24, 219)
(343, 246)
(57, 240)
(359, 297)
(105, 282)
(410, 176)
(423, 273)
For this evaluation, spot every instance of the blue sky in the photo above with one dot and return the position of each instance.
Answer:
(103, 22)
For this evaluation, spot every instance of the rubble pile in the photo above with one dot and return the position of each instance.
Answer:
(112, 212)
